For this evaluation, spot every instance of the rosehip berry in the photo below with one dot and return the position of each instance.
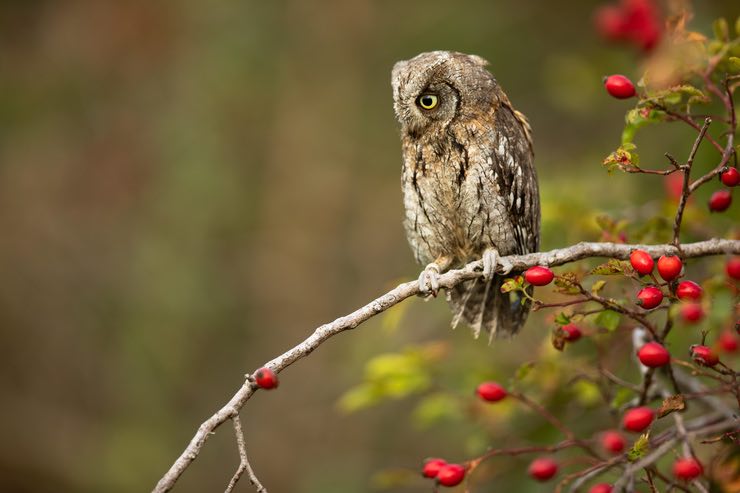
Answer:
(543, 468)
(649, 297)
(673, 184)
(432, 466)
(637, 419)
(731, 177)
(572, 333)
(733, 268)
(653, 355)
(610, 23)
(619, 86)
(491, 391)
(451, 475)
(539, 276)
(266, 378)
(642, 262)
(692, 312)
(720, 200)
(613, 441)
(687, 468)
(728, 341)
(669, 267)
(703, 355)
(688, 290)
(601, 488)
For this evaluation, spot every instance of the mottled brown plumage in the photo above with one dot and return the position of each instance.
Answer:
(469, 183)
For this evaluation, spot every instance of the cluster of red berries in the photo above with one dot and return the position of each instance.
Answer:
(721, 200)
(446, 474)
(633, 21)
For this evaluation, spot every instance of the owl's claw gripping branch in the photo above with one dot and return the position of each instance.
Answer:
(429, 277)
(429, 280)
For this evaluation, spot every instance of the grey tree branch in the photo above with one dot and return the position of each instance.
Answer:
(244, 465)
(405, 290)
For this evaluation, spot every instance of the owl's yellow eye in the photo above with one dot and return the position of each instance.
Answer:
(427, 101)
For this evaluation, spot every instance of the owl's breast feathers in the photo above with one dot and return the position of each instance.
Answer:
(471, 187)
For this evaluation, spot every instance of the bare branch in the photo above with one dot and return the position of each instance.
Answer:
(405, 290)
(686, 180)
(243, 461)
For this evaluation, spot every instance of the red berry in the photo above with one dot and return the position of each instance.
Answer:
(610, 23)
(543, 468)
(266, 378)
(649, 297)
(731, 177)
(432, 466)
(674, 186)
(688, 290)
(733, 268)
(642, 262)
(687, 468)
(720, 200)
(601, 488)
(491, 391)
(653, 355)
(643, 22)
(613, 441)
(451, 475)
(728, 341)
(669, 267)
(638, 418)
(619, 86)
(704, 355)
(692, 312)
(539, 276)
(572, 333)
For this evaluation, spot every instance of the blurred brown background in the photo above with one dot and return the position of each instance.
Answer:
(188, 188)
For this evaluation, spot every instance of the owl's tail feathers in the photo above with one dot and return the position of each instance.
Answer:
(483, 306)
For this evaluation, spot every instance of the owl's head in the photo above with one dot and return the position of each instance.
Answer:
(433, 89)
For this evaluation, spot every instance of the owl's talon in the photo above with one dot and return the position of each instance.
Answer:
(429, 280)
(490, 262)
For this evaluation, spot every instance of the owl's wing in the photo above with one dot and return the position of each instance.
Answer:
(512, 160)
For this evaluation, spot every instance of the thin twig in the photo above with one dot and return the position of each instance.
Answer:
(686, 180)
(244, 464)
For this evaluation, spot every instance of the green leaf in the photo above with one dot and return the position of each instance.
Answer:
(586, 392)
(622, 397)
(639, 448)
(721, 29)
(512, 284)
(608, 319)
(562, 319)
(733, 65)
(567, 283)
(435, 408)
(598, 286)
(393, 376)
(523, 370)
(637, 118)
(623, 158)
(611, 267)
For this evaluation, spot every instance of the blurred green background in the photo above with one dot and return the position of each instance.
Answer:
(188, 189)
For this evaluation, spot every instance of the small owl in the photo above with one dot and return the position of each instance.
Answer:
(469, 184)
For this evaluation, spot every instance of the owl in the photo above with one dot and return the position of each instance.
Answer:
(469, 183)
